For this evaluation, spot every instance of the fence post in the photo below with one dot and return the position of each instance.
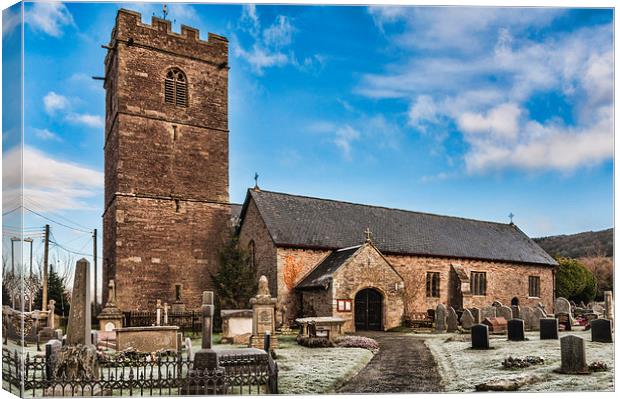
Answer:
(267, 342)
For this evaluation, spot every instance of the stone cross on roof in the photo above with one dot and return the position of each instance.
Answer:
(368, 234)
(511, 215)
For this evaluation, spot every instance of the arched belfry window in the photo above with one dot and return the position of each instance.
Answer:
(175, 87)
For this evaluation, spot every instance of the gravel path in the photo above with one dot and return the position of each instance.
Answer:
(403, 364)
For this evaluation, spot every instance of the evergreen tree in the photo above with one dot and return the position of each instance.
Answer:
(57, 291)
(574, 281)
(235, 281)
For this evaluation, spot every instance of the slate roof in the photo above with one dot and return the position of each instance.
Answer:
(305, 222)
(320, 276)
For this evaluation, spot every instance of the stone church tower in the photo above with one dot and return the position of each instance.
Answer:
(166, 210)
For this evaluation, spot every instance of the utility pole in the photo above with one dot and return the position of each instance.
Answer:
(30, 241)
(46, 252)
(13, 239)
(95, 263)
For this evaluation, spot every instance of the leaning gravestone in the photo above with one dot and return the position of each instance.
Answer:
(480, 337)
(548, 328)
(516, 330)
(467, 319)
(475, 312)
(573, 354)
(488, 312)
(452, 320)
(505, 312)
(441, 315)
(601, 330)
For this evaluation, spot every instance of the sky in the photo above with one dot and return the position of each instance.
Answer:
(465, 111)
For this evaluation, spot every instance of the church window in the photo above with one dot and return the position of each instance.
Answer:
(478, 283)
(252, 253)
(175, 87)
(534, 286)
(432, 285)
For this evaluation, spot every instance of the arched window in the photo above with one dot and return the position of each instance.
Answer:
(175, 87)
(252, 253)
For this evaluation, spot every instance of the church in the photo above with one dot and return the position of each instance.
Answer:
(167, 209)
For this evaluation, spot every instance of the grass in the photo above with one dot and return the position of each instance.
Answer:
(462, 368)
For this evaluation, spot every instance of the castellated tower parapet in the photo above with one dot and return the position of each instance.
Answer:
(166, 209)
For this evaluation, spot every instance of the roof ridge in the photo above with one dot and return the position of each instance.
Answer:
(384, 207)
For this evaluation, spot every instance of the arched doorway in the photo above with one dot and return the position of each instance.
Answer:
(368, 310)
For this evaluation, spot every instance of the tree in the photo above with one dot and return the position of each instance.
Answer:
(603, 270)
(235, 281)
(56, 290)
(574, 281)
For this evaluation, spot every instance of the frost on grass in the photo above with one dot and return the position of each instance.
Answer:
(462, 368)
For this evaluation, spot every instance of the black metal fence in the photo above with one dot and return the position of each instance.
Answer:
(188, 321)
(144, 375)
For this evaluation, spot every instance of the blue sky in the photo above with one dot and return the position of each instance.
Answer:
(472, 112)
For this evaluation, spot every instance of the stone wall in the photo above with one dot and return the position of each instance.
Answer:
(504, 281)
(166, 166)
(317, 303)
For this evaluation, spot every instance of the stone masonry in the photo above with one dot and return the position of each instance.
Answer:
(166, 166)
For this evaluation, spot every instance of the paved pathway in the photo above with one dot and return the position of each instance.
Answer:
(404, 364)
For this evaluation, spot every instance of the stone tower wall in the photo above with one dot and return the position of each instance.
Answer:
(166, 166)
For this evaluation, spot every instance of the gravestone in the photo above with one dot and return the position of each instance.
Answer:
(188, 348)
(505, 312)
(598, 308)
(206, 358)
(516, 312)
(488, 312)
(158, 313)
(541, 306)
(452, 320)
(480, 337)
(497, 325)
(601, 330)
(78, 327)
(562, 305)
(440, 318)
(609, 305)
(111, 316)
(264, 307)
(48, 332)
(564, 319)
(467, 319)
(516, 330)
(537, 314)
(497, 304)
(527, 316)
(166, 308)
(573, 354)
(549, 328)
(475, 312)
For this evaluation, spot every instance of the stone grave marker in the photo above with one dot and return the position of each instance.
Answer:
(78, 327)
(480, 337)
(188, 348)
(537, 314)
(440, 318)
(609, 305)
(573, 354)
(497, 304)
(467, 319)
(516, 330)
(452, 320)
(166, 308)
(526, 317)
(549, 328)
(505, 312)
(475, 312)
(516, 312)
(598, 308)
(263, 321)
(601, 330)
(565, 320)
(158, 313)
(488, 312)
(562, 305)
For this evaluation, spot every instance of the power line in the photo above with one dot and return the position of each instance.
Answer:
(57, 222)
(39, 206)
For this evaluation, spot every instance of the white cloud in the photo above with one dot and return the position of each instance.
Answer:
(344, 137)
(10, 20)
(268, 46)
(45, 134)
(54, 102)
(54, 184)
(95, 121)
(422, 111)
(501, 121)
(48, 17)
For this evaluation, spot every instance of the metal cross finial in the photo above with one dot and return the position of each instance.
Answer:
(255, 179)
(511, 215)
(368, 234)
(165, 10)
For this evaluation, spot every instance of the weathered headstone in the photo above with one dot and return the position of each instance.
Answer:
(573, 354)
(537, 314)
(166, 308)
(440, 318)
(516, 330)
(562, 305)
(601, 330)
(549, 328)
(452, 320)
(111, 316)
(505, 312)
(206, 358)
(467, 319)
(188, 348)
(526, 316)
(158, 313)
(488, 312)
(565, 320)
(541, 306)
(78, 328)
(264, 307)
(475, 312)
(51, 308)
(609, 305)
(480, 337)
(598, 308)
(497, 304)
(516, 312)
